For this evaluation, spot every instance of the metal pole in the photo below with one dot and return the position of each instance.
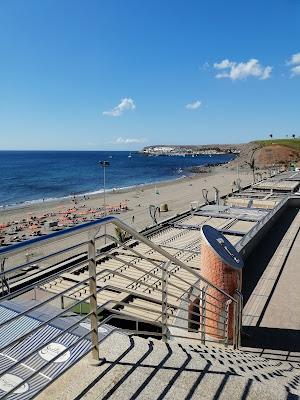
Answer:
(238, 176)
(164, 302)
(2, 262)
(235, 326)
(4, 281)
(226, 322)
(104, 199)
(203, 312)
(238, 309)
(104, 164)
(240, 318)
(93, 298)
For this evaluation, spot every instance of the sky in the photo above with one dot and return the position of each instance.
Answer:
(118, 75)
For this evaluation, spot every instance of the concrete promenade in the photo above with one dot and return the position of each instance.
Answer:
(271, 315)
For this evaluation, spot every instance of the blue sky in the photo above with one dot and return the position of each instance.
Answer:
(120, 74)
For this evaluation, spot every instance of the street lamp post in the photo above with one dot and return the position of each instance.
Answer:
(104, 164)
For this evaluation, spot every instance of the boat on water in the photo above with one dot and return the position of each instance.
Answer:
(129, 156)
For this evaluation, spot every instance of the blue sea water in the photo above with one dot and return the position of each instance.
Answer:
(35, 175)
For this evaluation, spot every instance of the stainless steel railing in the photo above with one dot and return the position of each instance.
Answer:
(150, 292)
(261, 223)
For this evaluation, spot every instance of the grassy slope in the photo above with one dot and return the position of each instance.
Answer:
(292, 143)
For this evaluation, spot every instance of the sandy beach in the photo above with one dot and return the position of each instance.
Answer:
(178, 195)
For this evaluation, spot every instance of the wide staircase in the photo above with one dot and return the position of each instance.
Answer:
(121, 322)
(138, 368)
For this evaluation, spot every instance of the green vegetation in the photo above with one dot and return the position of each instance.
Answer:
(83, 308)
(292, 143)
(121, 235)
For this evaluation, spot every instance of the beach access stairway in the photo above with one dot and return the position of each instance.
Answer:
(146, 369)
(145, 290)
(125, 270)
(138, 283)
(128, 275)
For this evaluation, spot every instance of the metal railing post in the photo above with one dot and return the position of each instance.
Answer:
(34, 293)
(164, 301)
(235, 326)
(226, 322)
(237, 319)
(4, 281)
(2, 276)
(203, 312)
(93, 298)
(240, 307)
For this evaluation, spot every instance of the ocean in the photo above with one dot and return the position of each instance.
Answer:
(29, 176)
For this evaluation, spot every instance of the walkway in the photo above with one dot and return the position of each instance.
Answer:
(271, 317)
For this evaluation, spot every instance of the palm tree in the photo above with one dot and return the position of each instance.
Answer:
(120, 234)
(293, 135)
(271, 135)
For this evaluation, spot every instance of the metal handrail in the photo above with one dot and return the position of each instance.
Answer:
(59, 235)
(175, 296)
(254, 230)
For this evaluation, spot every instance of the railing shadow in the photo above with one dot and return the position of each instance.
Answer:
(175, 368)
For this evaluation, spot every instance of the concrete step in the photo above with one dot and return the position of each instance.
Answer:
(246, 364)
(147, 369)
(239, 363)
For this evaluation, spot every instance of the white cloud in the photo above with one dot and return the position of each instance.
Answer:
(121, 140)
(295, 71)
(224, 64)
(125, 105)
(242, 70)
(194, 105)
(294, 62)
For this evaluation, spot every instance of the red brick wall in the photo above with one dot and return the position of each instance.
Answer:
(224, 277)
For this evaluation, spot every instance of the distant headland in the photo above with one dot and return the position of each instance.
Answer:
(259, 153)
(194, 150)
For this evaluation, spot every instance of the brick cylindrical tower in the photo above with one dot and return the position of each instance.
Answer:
(221, 264)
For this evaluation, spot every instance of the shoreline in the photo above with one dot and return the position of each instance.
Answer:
(143, 192)
(129, 205)
(96, 193)
(190, 172)
(27, 205)
(80, 196)
(181, 173)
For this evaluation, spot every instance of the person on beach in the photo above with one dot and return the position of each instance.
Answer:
(133, 219)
